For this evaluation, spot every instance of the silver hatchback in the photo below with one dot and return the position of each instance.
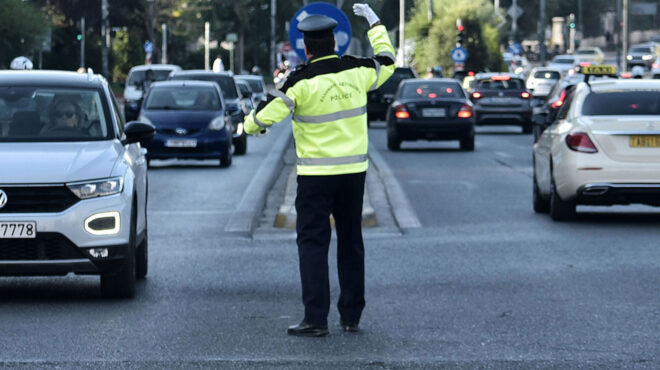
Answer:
(73, 180)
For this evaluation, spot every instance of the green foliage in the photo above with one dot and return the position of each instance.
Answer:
(127, 52)
(434, 40)
(21, 26)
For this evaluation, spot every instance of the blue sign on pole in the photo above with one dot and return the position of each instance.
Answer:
(342, 31)
(515, 48)
(458, 54)
(148, 47)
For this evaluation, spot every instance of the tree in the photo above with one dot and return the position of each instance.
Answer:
(434, 40)
(22, 27)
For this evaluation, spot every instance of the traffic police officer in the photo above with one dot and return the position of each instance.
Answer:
(328, 99)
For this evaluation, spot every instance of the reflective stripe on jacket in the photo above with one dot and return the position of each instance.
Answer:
(328, 100)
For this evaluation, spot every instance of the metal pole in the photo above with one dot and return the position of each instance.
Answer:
(105, 35)
(207, 31)
(163, 57)
(82, 42)
(617, 29)
(430, 10)
(272, 36)
(571, 34)
(231, 57)
(402, 32)
(579, 22)
(625, 34)
(542, 50)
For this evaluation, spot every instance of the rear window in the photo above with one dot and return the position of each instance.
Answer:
(183, 98)
(512, 84)
(548, 75)
(137, 77)
(255, 85)
(431, 90)
(622, 103)
(400, 74)
(585, 52)
(563, 60)
(226, 83)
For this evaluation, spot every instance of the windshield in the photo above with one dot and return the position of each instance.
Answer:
(641, 50)
(512, 84)
(622, 103)
(548, 75)
(255, 85)
(30, 113)
(226, 83)
(136, 77)
(183, 98)
(563, 60)
(431, 90)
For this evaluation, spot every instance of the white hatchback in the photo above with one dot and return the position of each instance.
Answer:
(603, 149)
(73, 180)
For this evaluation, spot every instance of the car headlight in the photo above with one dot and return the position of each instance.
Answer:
(629, 57)
(218, 123)
(647, 57)
(97, 188)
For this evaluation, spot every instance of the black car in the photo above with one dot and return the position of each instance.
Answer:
(379, 99)
(502, 99)
(231, 96)
(430, 109)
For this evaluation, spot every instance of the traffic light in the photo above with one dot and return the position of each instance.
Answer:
(79, 37)
(571, 25)
(460, 32)
(571, 21)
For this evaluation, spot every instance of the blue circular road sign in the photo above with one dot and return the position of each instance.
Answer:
(458, 54)
(342, 31)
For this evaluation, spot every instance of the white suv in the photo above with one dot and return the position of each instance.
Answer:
(73, 180)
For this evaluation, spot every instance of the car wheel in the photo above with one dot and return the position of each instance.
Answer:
(225, 159)
(240, 146)
(393, 140)
(467, 143)
(560, 210)
(142, 255)
(541, 204)
(121, 283)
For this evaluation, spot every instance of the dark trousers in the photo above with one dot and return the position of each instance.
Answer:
(317, 198)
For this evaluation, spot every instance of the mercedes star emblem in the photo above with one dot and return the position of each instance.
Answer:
(3, 198)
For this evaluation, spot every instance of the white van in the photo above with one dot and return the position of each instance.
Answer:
(133, 89)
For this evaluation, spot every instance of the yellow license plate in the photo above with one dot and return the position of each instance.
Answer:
(644, 141)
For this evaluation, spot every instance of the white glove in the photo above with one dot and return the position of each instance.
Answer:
(364, 10)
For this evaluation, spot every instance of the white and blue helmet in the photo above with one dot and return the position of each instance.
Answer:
(21, 63)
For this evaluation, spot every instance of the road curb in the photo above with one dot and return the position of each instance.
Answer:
(244, 220)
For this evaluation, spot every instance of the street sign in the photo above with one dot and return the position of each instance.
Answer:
(458, 54)
(148, 47)
(514, 12)
(459, 66)
(342, 31)
(515, 48)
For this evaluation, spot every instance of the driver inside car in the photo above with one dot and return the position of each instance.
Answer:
(65, 116)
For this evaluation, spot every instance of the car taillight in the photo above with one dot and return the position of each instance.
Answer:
(580, 142)
(476, 95)
(524, 95)
(559, 102)
(401, 112)
(465, 111)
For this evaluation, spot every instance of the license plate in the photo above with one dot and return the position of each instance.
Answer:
(434, 112)
(18, 230)
(181, 143)
(645, 141)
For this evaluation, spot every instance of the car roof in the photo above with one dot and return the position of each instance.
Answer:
(145, 67)
(249, 77)
(184, 83)
(485, 75)
(200, 72)
(413, 80)
(51, 78)
(605, 85)
(546, 69)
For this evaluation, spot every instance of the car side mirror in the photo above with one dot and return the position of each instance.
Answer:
(232, 109)
(137, 131)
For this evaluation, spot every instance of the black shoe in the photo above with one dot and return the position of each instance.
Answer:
(349, 328)
(307, 330)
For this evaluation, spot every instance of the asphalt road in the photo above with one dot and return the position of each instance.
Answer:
(483, 283)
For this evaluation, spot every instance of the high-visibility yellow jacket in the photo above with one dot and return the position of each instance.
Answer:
(328, 99)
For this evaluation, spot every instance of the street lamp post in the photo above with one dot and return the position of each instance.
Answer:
(402, 29)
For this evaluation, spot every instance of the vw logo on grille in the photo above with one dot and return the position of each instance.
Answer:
(181, 131)
(3, 198)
